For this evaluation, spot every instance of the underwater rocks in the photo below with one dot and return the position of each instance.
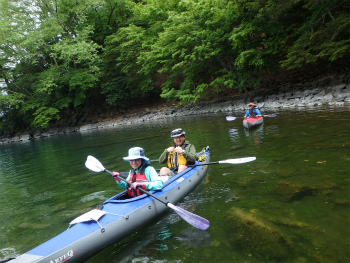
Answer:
(288, 191)
(255, 236)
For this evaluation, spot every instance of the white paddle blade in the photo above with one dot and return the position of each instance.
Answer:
(239, 160)
(93, 164)
(230, 118)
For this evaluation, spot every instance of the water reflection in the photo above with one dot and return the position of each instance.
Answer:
(256, 134)
(233, 134)
(272, 129)
(44, 184)
(255, 131)
(140, 247)
(162, 235)
(194, 238)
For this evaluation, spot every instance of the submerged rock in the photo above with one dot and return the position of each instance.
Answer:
(256, 236)
(288, 191)
(295, 224)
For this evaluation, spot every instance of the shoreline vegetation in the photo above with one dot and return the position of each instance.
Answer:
(67, 63)
(327, 92)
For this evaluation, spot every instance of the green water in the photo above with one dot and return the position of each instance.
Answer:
(296, 194)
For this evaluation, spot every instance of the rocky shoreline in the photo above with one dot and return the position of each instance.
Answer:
(327, 92)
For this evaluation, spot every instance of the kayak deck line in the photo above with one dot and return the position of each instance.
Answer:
(116, 219)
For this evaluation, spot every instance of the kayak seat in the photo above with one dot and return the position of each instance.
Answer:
(123, 196)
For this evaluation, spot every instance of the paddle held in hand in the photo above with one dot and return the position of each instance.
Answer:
(199, 222)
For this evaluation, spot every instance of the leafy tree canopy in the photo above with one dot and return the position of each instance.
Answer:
(57, 55)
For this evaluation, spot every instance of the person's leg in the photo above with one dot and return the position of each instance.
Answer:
(164, 171)
(181, 168)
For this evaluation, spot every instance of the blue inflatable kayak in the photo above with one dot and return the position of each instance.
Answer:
(97, 229)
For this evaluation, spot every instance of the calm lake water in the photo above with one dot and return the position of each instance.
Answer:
(290, 205)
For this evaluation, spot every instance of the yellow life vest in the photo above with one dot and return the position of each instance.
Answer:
(176, 159)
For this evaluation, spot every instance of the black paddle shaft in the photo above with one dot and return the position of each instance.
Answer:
(199, 164)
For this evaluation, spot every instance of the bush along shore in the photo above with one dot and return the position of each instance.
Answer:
(329, 92)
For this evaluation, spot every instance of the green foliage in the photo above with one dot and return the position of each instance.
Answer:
(117, 91)
(59, 54)
(125, 46)
(249, 57)
(82, 82)
(122, 52)
(324, 35)
(189, 47)
(78, 50)
(44, 115)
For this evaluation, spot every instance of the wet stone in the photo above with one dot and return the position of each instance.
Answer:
(288, 191)
(255, 236)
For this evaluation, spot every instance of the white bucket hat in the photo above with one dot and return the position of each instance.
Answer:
(136, 153)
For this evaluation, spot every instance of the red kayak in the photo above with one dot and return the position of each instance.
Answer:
(251, 122)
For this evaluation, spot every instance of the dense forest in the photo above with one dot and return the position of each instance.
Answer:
(65, 57)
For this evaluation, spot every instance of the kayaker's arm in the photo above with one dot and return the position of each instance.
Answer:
(153, 182)
(163, 157)
(122, 184)
(190, 153)
(118, 181)
(258, 113)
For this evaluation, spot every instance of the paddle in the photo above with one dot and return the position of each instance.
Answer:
(230, 118)
(270, 115)
(228, 161)
(199, 222)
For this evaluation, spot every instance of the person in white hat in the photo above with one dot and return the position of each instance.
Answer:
(178, 155)
(142, 175)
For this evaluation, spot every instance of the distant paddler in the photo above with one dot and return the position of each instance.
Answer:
(253, 111)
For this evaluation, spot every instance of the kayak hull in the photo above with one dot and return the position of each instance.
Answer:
(121, 218)
(252, 122)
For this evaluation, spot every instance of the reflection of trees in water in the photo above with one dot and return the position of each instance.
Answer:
(233, 134)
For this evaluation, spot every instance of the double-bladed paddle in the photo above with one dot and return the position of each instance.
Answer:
(228, 161)
(230, 118)
(199, 222)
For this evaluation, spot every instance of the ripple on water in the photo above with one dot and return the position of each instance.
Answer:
(101, 195)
